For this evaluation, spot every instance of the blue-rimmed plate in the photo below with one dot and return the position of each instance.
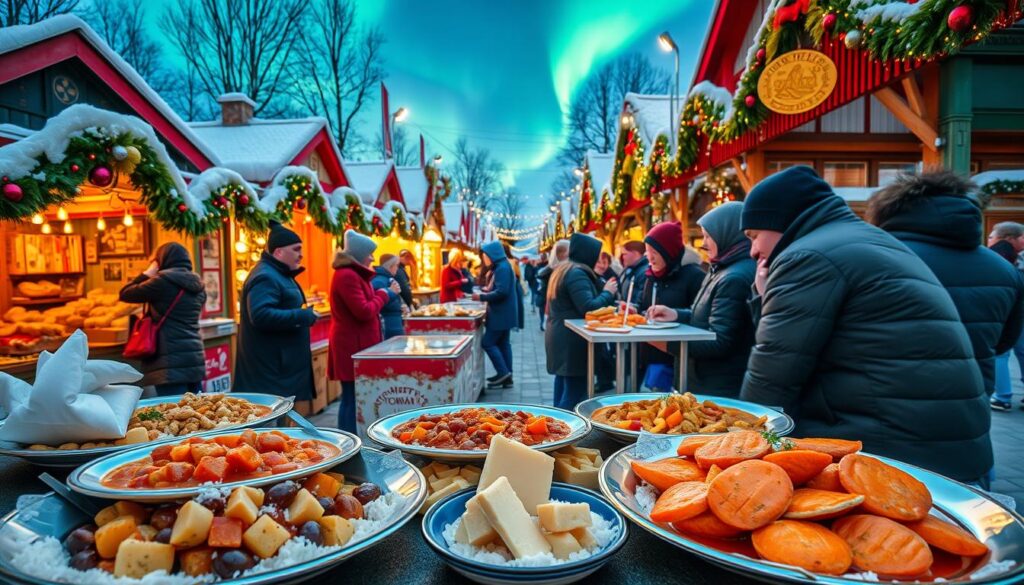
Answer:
(380, 431)
(778, 422)
(279, 406)
(449, 509)
(88, 479)
(1002, 530)
(52, 516)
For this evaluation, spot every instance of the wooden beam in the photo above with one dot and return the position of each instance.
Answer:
(741, 174)
(914, 98)
(924, 131)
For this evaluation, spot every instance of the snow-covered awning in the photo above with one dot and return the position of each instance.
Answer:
(600, 165)
(259, 149)
(982, 179)
(368, 178)
(413, 181)
(651, 118)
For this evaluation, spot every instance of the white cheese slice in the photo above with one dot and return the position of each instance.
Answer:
(478, 530)
(528, 471)
(510, 520)
(563, 544)
(562, 517)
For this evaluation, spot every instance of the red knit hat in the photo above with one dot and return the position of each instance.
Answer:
(667, 239)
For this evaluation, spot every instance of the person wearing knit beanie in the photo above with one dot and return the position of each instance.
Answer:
(776, 201)
(280, 237)
(359, 247)
(666, 239)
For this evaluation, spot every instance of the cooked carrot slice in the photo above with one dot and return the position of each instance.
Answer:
(750, 494)
(713, 472)
(800, 464)
(812, 504)
(837, 448)
(708, 525)
(948, 537)
(887, 491)
(681, 501)
(803, 544)
(731, 448)
(883, 546)
(689, 445)
(827, 480)
(665, 473)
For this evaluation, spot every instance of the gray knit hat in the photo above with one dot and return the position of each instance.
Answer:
(358, 246)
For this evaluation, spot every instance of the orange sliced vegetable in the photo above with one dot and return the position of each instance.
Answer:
(883, 546)
(731, 448)
(750, 494)
(538, 427)
(225, 532)
(681, 501)
(665, 473)
(827, 480)
(244, 458)
(887, 491)
(837, 448)
(211, 469)
(803, 544)
(674, 419)
(812, 504)
(948, 537)
(689, 445)
(800, 464)
(707, 525)
(713, 472)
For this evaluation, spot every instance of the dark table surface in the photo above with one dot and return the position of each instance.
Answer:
(405, 558)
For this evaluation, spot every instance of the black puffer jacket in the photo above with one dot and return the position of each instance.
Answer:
(676, 288)
(179, 358)
(857, 339)
(577, 292)
(988, 292)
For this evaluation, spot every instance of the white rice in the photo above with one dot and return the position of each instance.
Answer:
(46, 558)
(497, 554)
(992, 569)
(646, 495)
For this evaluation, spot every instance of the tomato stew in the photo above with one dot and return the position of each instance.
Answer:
(471, 429)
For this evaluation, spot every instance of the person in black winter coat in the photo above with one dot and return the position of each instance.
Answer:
(179, 365)
(856, 338)
(391, 313)
(636, 266)
(274, 355)
(716, 367)
(559, 254)
(935, 217)
(573, 290)
(403, 284)
(675, 272)
(1007, 240)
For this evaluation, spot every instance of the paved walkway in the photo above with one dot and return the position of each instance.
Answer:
(533, 385)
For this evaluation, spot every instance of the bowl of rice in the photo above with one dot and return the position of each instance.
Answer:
(493, 564)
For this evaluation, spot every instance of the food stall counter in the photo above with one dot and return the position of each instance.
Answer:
(462, 318)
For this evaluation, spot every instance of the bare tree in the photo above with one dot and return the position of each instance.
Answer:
(183, 90)
(406, 151)
(121, 24)
(338, 67)
(506, 210)
(565, 182)
(243, 46)
(14, 12)
(594, 112)
(477, 172)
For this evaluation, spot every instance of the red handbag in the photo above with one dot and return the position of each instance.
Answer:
(143, 339)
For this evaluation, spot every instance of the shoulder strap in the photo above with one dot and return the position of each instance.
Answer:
(170, 308)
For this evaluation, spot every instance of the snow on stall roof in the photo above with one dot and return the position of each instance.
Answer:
(982, 179)
(213, 179)
(17, 37)
(368, 177)
(651, 114)
(452, 215)
(14, 132)
(718, 95)
(235, 96)
(600, 165)
(259, 149)
(891, 11)
(413, 182)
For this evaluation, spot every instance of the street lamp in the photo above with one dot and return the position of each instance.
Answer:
(667, 44)
(399, 115)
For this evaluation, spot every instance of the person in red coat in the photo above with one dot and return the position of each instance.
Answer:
(355, 317)
(452, 279)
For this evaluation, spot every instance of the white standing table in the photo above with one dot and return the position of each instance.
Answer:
(681, 334)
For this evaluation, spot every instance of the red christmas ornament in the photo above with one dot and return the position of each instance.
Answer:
(223, 202)
(243, 199)
(760, 55)
(75, 168)
(92, 156)
(182, 207)
(960, 18)
(101, 176)
(300, 203)
(5, 178)
(750, 101)
(829, 21)
(13, 192)
(323, 208)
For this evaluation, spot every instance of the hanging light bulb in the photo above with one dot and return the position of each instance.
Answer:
(128, 220)
(241, 247)
(101, 224)
(67, 227)
(47, 229)
(62, 214)
(38, 219)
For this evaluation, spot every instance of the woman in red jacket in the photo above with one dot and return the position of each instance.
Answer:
(452, 279)
(355, 317)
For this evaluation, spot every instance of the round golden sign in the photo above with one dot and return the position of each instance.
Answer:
(797, 81)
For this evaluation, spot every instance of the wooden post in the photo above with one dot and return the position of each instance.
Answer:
(903, 112)
(930, 82)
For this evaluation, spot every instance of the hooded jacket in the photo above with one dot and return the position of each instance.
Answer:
(179, 358)
(677, 287)
(945, 232)
(273, 336)
(578, 291)
(502, 299)
(391, 312)
(636, 274)
(857, 339)
(355, 314)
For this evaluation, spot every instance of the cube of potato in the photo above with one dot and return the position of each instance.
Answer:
(256, 495)
(145, 532)
(584, 537)
(336, 530)
(457, 484)
(108, 514)
(441, 482)
(448, 473)
(197, 561)
(440, 467)
(562, 544)
(242, 507)
(562, 517)
(304, 508)
(136, 511)
(134, 436)
(338, 476)
(137, 558)
(112, 534)
(322, 485)
(473, 477)
(192, 526)
(265, 536)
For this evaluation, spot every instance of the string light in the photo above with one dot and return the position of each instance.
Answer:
(47, 229)
(38, 219)
(62, 214)
(67, 227)
(128, 220)
(101, 224)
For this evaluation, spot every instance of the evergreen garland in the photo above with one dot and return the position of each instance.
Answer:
(1002, 187)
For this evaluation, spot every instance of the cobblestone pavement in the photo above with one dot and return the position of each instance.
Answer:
(533, 385)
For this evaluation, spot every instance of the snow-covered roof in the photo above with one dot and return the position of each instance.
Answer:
(13, 132)
(17, 37)
(259, 149)
(452, 215)
(600, 165)
(413, 182)
(235, 96)
(651, 117)
(982, 179)
(368, 177)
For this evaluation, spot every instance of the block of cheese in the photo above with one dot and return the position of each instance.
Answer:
(584, 537)
(563, 517)
(568, 471)
(528, 471)
(451, 488)
(460, 533)
(510, 520)
(447, 473)
(562, 544)
(478, 529)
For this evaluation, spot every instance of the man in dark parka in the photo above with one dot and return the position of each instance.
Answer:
(855, 336)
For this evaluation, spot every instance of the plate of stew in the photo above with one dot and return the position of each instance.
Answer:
(462, 432)
(227, 459)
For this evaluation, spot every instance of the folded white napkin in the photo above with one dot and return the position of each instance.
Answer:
(74, 399)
